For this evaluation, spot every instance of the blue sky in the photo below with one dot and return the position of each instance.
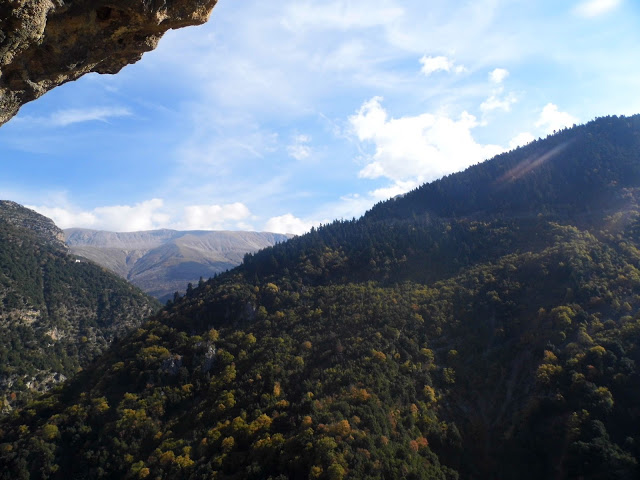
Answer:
(281, 115)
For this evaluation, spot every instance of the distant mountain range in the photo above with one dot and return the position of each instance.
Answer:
(162, 262)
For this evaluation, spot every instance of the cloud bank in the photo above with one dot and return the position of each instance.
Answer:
(417, 148)
(150, 215)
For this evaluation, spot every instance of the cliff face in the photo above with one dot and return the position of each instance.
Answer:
(45, 43)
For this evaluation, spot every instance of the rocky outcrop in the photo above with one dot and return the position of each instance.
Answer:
(21, 217)
(45, 43)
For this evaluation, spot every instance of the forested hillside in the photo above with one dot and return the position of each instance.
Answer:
(56, 313)
(483, 326)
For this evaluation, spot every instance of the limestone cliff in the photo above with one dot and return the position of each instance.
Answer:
(45, 43)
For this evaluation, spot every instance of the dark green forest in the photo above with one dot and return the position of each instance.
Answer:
(56, 314)
(486, 325)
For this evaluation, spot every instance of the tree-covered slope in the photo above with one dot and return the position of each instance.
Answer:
(571, 174)
(56, 313)
(417, 342)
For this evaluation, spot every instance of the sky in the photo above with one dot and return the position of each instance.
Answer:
(277, 116)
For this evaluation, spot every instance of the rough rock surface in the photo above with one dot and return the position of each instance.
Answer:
(19, 216)
(45, 43)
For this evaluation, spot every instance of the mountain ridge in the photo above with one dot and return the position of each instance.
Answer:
(522, 174)
(163, 262)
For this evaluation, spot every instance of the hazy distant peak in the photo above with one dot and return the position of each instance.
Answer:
(162, 262)
(105, 239)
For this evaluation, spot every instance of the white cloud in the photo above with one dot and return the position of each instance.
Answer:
(595, 8)
(65, 218)
(300, 149)
(552, 119)
(520, 140)
(440, 63)
(397, 189)
(498, 102)
(62, 118)
(149, 215)
(417, 149)
(498, 75)
(66, 117)
(214, 217)
(288, 223)
(122, 218)
(141, 216)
